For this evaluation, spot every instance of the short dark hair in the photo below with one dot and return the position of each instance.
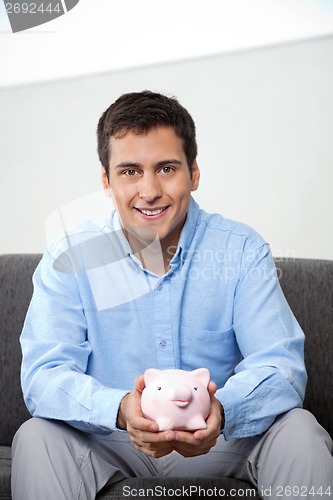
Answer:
(140, 112)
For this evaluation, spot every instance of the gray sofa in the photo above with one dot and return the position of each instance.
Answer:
(307, 285)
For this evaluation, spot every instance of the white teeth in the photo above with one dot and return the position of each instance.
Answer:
(152, 212)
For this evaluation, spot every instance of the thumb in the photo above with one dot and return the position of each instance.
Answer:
(212, 388)
(139, 383)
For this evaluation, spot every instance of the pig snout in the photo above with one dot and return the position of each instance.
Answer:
(181, 395)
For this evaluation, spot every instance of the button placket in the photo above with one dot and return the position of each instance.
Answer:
(163, 325)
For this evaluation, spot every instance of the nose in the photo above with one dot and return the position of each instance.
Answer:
(181, 393)
(149, 187)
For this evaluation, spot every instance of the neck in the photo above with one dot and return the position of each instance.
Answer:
(155, 256)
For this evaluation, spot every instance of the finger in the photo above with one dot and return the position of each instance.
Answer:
(140, 423)
(156, 452)
(214, 416)
(185, 438)
(213, 422)
(146, 437)
(158, 437)
(195, 448)
(152, 444)
(212, 388)
(139, 383)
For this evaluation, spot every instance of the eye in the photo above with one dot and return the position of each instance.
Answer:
(159, 388)
(130, 172)
(167, 169)
(195, 388)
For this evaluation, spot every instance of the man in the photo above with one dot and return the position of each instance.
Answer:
(161, 284)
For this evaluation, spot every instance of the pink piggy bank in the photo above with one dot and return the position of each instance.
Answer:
(176, 399)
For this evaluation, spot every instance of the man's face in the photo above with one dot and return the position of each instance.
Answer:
(151, 184)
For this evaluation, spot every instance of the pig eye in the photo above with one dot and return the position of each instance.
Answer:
(159, 388)
(195, 388)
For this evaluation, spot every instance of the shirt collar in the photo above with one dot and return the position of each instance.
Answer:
(123, 241)
(187, 233)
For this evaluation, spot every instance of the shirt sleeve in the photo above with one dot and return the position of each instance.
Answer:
(56, 350)
(271, 377)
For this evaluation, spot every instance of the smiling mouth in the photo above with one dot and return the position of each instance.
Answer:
(151, 213)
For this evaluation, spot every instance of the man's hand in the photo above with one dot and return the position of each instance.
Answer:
(146, 437)
(200, 442)
(143, 432)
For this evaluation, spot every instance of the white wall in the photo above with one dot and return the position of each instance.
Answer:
(111, 35)
(264, 120)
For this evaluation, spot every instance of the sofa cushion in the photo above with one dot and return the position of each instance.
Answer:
(5, 464)
(15, 295)
(307, 285)
(159, 487)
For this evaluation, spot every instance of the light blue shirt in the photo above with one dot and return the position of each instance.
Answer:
(98, 319)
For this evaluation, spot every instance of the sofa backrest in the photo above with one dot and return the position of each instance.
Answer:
(307, 285)
(15, 293)
(308, 288)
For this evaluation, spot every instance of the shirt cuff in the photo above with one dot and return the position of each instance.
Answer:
(105, 412)
(233, 413)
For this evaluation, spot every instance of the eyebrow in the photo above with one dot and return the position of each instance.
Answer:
(161, 163)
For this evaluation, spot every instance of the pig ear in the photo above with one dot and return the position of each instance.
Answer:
(150, 375)
(202, 374)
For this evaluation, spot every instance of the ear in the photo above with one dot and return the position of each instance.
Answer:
(150, 375)
(195, 176)
(106, 183)
(202, 374)
(105, 179)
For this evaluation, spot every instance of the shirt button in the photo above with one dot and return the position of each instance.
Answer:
(160, 287)
(163, 344)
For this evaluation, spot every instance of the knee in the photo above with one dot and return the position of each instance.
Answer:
(35, 433)
(32, 430)
(29, 432)
(299, 420)
(300, 428)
